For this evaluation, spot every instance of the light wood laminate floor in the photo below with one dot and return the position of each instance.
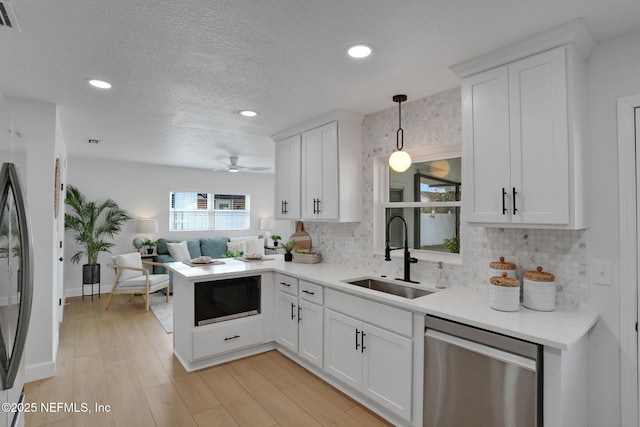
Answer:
(123, 358)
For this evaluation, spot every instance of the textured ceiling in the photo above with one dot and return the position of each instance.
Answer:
(182, 70)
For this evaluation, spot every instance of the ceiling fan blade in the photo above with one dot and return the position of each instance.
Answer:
(259, 168)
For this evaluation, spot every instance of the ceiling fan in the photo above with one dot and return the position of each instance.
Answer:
(233, 166)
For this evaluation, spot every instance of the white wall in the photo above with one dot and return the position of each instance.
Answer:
(614, 72)
(143, 190)
(37, 123)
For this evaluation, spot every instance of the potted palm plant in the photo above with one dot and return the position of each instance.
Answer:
(92, 223)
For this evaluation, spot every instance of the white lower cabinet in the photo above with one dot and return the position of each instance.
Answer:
(299, 323)
(374, 361)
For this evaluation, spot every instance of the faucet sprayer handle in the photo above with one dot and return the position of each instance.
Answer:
(387, 253)
(413, 260)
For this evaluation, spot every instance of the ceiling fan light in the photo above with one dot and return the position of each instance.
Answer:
(400, 161)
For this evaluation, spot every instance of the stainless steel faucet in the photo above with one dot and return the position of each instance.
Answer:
(408, 259)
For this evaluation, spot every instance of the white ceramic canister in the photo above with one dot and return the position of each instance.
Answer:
(496, 268)
(539, 290)
(504, 293)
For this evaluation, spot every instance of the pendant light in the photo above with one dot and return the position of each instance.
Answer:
(400, 160)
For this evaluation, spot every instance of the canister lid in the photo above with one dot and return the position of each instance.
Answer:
(539, 275)
(504, 281)
(502, 265)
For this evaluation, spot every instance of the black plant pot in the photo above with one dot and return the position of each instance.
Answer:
(288, 257)
(90, 274)
(149, 251)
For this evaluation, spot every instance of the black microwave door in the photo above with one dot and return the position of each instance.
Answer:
(16, 278)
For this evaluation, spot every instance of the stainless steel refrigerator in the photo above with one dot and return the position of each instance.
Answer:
(16, 279)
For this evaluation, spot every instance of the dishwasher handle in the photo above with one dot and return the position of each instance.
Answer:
(484, 350)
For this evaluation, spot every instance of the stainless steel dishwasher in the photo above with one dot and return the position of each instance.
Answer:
(474, 377)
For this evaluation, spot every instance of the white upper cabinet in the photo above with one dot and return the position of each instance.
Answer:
(330, 174)
(287, 179)
(522, 151)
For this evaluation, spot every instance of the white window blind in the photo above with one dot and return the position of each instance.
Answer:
(204, 211)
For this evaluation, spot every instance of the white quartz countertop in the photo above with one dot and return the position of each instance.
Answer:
(558, 329)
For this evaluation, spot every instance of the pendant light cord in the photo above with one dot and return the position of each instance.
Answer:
(400, 132)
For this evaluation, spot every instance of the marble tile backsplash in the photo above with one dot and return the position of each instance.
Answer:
(435, 121)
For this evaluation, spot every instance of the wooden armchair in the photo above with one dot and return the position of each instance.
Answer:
(132, 278)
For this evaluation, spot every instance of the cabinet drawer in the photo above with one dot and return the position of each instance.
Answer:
(287, 284)
(375, 313)
(311, 292)
(227, 336)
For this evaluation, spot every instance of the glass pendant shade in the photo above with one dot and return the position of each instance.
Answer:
(400, 161)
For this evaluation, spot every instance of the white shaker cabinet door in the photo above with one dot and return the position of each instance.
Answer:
(287, 321)
(486, 160)
(342, 352)
(287, 178)
(539, 139)
(387, 369)
(310, 332)
(320, 172)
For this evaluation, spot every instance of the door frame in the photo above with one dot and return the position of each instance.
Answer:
(628, 162)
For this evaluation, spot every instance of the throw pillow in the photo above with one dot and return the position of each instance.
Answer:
(255, 247)
(239, 246)
(179, 251)
(129, 260)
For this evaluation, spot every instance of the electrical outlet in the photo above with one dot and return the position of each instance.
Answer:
(601, 272)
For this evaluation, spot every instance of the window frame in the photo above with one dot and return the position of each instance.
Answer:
(211, 211)
(381, 202)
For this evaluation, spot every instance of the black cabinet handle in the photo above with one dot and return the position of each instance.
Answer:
(357, 333)
(282, 207)
(286, 205)
(514, 201)
(232, 338)
(285, 284)
(362, 347)
(60, 259)
(318, 209)
(293, 316)
(308, 292)
(299, 315)
(315, 209)
(504, 205)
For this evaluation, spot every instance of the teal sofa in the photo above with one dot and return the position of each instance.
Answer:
(214, 247)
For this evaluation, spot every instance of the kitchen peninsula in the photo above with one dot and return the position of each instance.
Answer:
(310, 314)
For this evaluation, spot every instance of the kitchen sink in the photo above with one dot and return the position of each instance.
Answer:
(392, 288)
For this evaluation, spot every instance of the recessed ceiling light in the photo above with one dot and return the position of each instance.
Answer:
(100, 84)
(248, 113)
(359, 51)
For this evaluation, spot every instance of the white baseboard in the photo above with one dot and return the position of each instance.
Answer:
(39, 371)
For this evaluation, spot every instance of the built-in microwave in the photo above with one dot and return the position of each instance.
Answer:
(220, 300)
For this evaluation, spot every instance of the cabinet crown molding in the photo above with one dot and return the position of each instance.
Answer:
(574, 33)
(336, 115)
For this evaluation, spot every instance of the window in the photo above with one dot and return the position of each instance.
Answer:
(204, 211)
(428, 195)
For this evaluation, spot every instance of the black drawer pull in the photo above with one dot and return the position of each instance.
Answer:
(362, 347)
(308, 292)
(285, 284)
(299, 316)
(357, 344)
(514, 200)
(504, 207)
(293, 316)
(232, 338)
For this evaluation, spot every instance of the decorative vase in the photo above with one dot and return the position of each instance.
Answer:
(288, 257)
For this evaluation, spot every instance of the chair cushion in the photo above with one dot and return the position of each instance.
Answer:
(214, 247)
(179, 251)
(128, 260)
(140, 282)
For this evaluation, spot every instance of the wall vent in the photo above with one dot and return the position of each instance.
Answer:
(7, 16)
